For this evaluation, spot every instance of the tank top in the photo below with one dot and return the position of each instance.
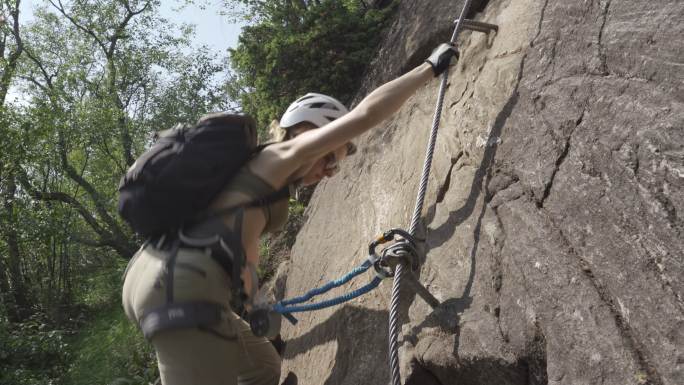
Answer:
(252, 185)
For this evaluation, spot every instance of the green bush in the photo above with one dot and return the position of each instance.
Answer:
(111, 350)
(32, 353)
(108, 350)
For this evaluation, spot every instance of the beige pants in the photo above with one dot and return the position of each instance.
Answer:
(228, 354)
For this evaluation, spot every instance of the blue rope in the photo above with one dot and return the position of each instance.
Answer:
(285, 310)
(327, 287)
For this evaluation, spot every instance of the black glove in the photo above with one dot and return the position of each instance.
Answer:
(441, 58)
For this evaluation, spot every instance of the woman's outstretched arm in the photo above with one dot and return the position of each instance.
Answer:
(278, 162)
(379, 105)
(373, 109)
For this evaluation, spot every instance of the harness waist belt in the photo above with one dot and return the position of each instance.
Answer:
(181, 315)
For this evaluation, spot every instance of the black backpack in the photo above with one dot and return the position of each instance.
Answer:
(187, 166)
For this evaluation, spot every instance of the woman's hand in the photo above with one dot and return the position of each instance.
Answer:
(441, 57)
(250, 283)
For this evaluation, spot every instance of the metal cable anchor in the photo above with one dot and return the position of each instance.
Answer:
(478, 26)
(402, 253)
(385, 263)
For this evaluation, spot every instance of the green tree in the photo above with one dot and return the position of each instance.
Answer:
(294, 47)
(98, 79)
(12, 286)
(106, 80)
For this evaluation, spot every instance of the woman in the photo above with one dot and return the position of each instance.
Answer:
(224, 351)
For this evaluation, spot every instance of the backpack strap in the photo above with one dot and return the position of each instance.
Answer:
(207, 215)
(226, 249)
(234, 237)
(178, 315)
(170, 267)
(283, 193)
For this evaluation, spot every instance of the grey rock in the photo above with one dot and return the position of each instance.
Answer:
(553, 218)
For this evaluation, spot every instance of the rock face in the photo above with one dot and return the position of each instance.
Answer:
(553, 221)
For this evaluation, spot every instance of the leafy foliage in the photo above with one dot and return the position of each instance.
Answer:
(96, 78)
(293, 49)
(94, 344)
(111, 350)
(32, 352)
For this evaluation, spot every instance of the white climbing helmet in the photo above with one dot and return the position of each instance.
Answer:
(317, 109)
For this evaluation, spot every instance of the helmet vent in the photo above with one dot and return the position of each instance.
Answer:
(327, 106)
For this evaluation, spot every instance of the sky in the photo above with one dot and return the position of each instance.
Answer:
(212, 29)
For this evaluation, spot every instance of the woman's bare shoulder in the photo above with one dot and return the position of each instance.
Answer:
(274, 164)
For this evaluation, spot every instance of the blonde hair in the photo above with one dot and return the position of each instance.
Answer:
(289, 132)
(276, 133)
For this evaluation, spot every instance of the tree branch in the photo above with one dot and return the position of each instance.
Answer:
(126, 140)
(120, 244)
(94, 195)
(73, 21)
(11, 238)
(41, 67)
(36, 82)
(118, 32)
(90, 242)
(64, 198)
(102, 144)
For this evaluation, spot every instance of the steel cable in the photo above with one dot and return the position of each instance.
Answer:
(396, 286)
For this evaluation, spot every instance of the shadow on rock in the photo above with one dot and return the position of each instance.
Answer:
(443, 233)
(435, 365)
(446, 365)
(446, 315)
(440, 365)
(469, 372)
(361, 336)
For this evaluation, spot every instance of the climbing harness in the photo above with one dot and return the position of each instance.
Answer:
(225, 248)
(265, 319)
